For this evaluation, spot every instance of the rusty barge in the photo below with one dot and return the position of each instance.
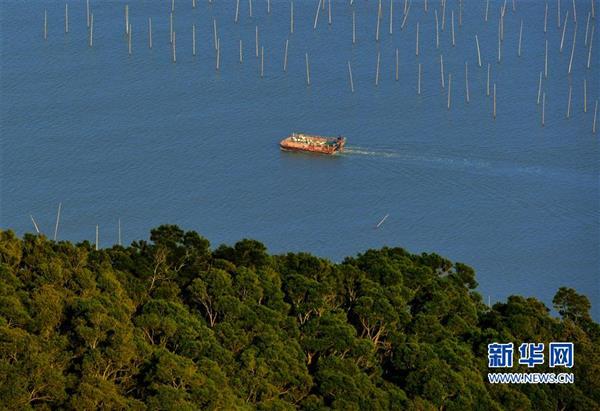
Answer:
(313, 143)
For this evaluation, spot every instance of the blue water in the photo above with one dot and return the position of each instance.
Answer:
(138, 138)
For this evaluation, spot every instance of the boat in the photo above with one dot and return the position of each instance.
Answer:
(313, 143)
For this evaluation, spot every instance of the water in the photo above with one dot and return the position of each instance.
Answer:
(147, 141)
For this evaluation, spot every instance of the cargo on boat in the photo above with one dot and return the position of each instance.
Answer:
(313, 143)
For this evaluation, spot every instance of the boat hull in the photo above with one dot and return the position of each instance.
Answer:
(313, 144)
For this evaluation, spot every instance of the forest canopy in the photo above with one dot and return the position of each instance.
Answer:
(174, 324)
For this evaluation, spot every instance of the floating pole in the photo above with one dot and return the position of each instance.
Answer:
(351, 80)
(353, 27)
(449, 88)
(149, 32)
(595, 114)
(382, 221)
(573, 47)
(285, 55)
(546, 61)
(520, 38)
(92, 30)
(193, 39)
(317, 15)
(478, 51)
(437, 31)
(37, 230)
(487, 89)
(45, 25)
(97, 245)
(585, 95)
(262, 61)
(487, 9)
(467, 80)
(129, 40)
(292, 17)
(237, 11)
(452, 29)
(57, 221)
(391, 16)
(171, 27)
(417, 42)
(307, 70)
(494, 104)
(546, 18)
(569, 102)
(397, 63)
(329, 12)
(378, 21)
(419, 81)
(562, 39)
(215, 33)
(377, 71)
(544, 109)
(241, 53)
(256, 41)
(539, 89)
(587, 27)
(119, 236)
(67, 19)
(442, 70)
(590, 47)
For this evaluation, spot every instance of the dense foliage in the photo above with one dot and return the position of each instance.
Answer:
(171, 324)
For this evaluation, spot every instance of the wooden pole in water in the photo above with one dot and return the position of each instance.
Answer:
(250, 7)
(307, 70)
(437, 31)
(149, 32)
(546, 18)
(494, 113)
(585, 95)
(193, 4)
(397, 63)
(467, 81)
(174, 47)
(443, 15)
(449, 88)
(353, 27)
(382, 221)
(171, 27)
(569, 102)
(589, 61)
(587, 28)
(215, 33)
(317, 15)
(478, 51)
(573, 47)
(351, 80)
(377, 71)
(378, 21)
(241, 53)
(256, 41)
(593, 12)
(87, 13)
(37, 230)
(419, 81)
(218, 65)
(499, 45)
(391, 16)
(193, 39)
(92, 30)
(520, 38)
(442, 76)
(562, 39)
(487, 89)
(129, 40)
(292, 17)
(119, 236)
(285, 55)
(452, 29)
(405, 16)
(544, 109)
(67, 18)
(329, 12)
(425, 6)
(501, 27)
(539, 89)
(595, 114)
(574, 13)
(487, 9)
(126, 19)
(262, 61)
(97, 245)
(417, 45)
(460, 13)
(558, 13)
(45, 25)
(546, 61)
(268, 6)
(237, 11)
(57, 221)
(173, 6)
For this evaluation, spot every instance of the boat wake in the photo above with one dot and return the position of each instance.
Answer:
(361, 151)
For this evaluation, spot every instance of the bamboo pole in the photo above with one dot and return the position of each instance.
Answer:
(329, 12)
(307, 70)
(37, 230)
(467, 81)
(546, 61)
(397, 64)
(285, 55)
(171, 27)
(250, 7)
(562, 39)
(478, 51)
(520, 38)
(574, 13)
(45, 25)
(569, 102)
(378, 21)
(546, 18)
(241, 53)
(174, 47)
(452, 28)
(573, 47)
(215, 33)
(377, 71)
(218, 65)
(193, 39)
(487, 9)
(539, 89)
(391, 16)
(91, 30)
(57, 221)
(487, 89)
(119, 234)
(262, 61)
(417, 41)
(237, 11)
(351, 80)
(589, 61)
(585, 95)
(382, 221)
(353, 27)
(544, 109)
(67, 18)
(587, 28)
(443, 15)
(595, 115)
(317, 15)
(149, 32)
(97, 244)
(442, 76)
(87, 13)
(129, 40)
(292, 17)
(437, 31)
(126, 19)
(558, 13)
(494, 104)
(449, 89)
(419, 81)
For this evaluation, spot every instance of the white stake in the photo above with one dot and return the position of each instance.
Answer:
(87, 13)
(544, 109)
(241, 53)
(97, 243)
(397, 63)
(250, 7)
(573, 47)
(129, 40)
(487, 9)
(329, 12)
(37, 230)
(285, 55)
(92, 30)
(292, 17)
(587, 28)
(215, 33)
(574, 13)
(353, 27)
(317, 15)
(193, 39)
(467, 80)
(520, 38)
(391, 16)
(437, 31)
(562, 39)
(449, 88)
(539, 89)
(382, 221)
(351, 80)
(585, 95)
(595, 114)
(487, 89)
(218, 65)
(45, 25)
(307, 70)
(237, 11)
(67, 18)
(149, 32)
(478, 52)
(419, 81)
(256, 41)
(171, 27)
(569, 103)
(262, 61)
(120, 242)
(546, 61)
(378, 21)
(452, 29)
(546, 19)
(442, 77)
(57, 221)
(494, 113)
(417, 43)
(377, 71)
(589, 61)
